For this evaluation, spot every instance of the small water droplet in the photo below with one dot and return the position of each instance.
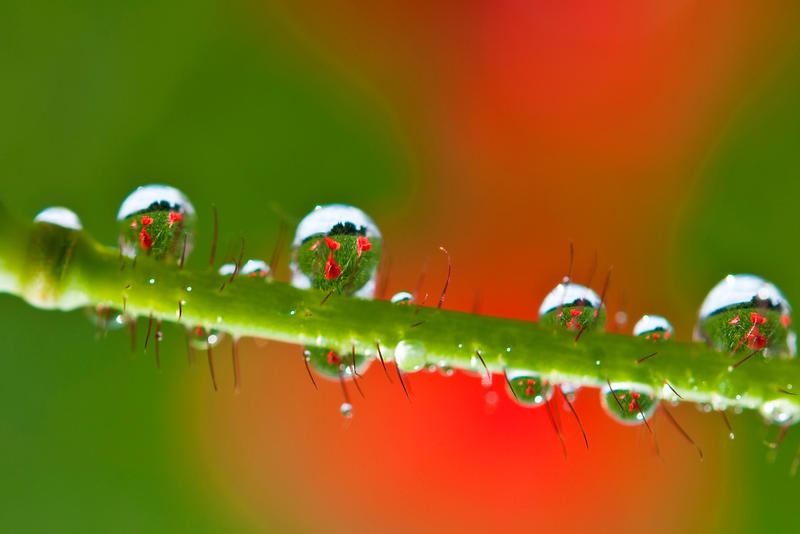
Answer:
(107, 318)
(653, 328)
(346, 409)
(189, 289)
(200, 337)
(292, 312)
(508, 349)
(744, 313)
(152, 281)
(448, 371)
(573, 307)
(403, 297)
(410, 355)
(628, 403)
(156, 220)
(59, 216)
(337, 248)
(330, 363)
(527, 388)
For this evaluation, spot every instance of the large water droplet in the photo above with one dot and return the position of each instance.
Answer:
(403, 297)
(573, 307)
(156, 220)
(744, 313)
(780, 412)
(337, 248)
(410, 355)
(59, 216)
(528, 389)
(653, 328)
(629, 403)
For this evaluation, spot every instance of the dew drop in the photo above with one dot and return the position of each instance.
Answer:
(251, 268)
(653, 328)
(200, 337)
(337, 248)
(59, 216)
(527, 388)
(156, 220)
(573, 307)
(403, 297)
(780, 412)
(410, 355)
(628, 403)
(106, 318)
(745, 313)
(346, 409)
(331, 364)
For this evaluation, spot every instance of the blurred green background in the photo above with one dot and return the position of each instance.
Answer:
(665, 137)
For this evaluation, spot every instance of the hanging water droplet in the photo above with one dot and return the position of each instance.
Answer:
(745, 313)
(780, 412)
(331, 364)
(403, 297)
(106, 318)
(629, 403)
(59, 216)
(337, 248)
(410, 355)
(346, 409)
(653, 328)
(201, 338)
(156, 220)
(573, 307)
(528, 389)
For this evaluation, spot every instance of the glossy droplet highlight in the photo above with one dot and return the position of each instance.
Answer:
(59, 216)
(106, 318)
(402, 297)
(628, 403)
(745, 313)
(653, 328)
(346, 409)
(572, 307)
(337, 248)
(780, 412)
(156, 220)
(528, 389)
(410, 355)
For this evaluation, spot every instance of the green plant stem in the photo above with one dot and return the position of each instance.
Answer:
(52, 267)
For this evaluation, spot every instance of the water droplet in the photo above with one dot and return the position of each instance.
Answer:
(337, 248)
(780, 411)
(629, 403)
(403, 297)
(59, 216)
(448, 371)
(155, 220)
(200, 337)
(410, 355)
(653, 328)
(574, 307)
(106, 318)
(251, 268)
(527, 388)
(330, 363)
(346, 409)
(744, 313)
(152, 281)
